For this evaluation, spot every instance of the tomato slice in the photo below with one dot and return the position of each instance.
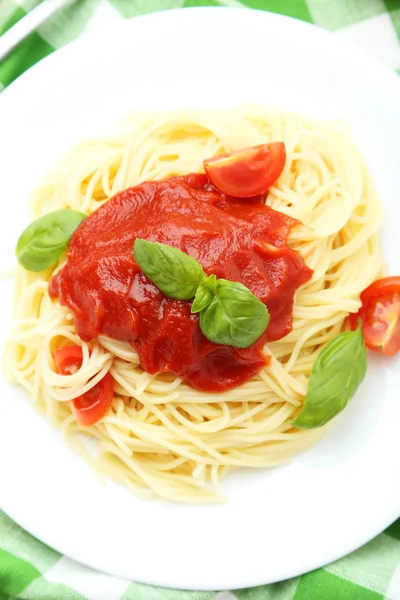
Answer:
(249, 172)
(380, 314)
(94, 404)
(68, 359)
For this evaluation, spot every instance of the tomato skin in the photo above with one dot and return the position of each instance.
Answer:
(380, 315)
(249, 172)
(387, 285)
(94, 404)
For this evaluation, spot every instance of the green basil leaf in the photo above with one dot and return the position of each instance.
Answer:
(234, 317)
(45, 239)
(176, 274)
(335, 376)
(204, 294)
(210, 283)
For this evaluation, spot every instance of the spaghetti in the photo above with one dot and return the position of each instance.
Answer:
(161, 436)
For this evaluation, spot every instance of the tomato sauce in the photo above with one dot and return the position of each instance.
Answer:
(239, 240)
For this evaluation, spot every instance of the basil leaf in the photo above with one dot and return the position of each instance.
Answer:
(204, 294)
(45, 239)
(234, 317)
(175, 273)
(335, 376)
(210, 283)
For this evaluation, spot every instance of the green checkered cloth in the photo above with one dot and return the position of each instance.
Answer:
(31, 570)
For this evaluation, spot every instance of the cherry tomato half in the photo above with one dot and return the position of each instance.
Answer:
(68, 359)
(380, 314)
(248, 172)
(94, 404)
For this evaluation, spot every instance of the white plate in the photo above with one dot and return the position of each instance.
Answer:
(278, 523)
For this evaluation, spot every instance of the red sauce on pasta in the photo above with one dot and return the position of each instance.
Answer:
(239, 240)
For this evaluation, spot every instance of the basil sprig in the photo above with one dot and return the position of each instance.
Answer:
(45, 239)
(335, 376)
(229, 313)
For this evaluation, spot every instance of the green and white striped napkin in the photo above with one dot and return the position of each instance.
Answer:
(32, 571)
